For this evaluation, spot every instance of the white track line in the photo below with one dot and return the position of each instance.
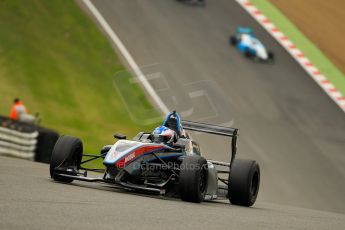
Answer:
(312, 70)
(139, 74)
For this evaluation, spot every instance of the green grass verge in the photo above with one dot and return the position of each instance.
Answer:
(303, 43)
(54, 57)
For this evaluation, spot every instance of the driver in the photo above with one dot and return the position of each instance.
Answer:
(163, 134)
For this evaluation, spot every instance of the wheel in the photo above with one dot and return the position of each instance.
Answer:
(244, 182)
(270, 57)
(46, 141)
(193, 179)
(233, 40)
(247, 53)
(67, 154)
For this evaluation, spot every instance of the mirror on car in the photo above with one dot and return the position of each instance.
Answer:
(120, 136)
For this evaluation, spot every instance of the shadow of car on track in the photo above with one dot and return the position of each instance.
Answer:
(201, 3)
(111, 188)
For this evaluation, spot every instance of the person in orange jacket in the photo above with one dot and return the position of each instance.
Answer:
(19, 112)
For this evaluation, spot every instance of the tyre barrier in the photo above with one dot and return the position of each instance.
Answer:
(15, 143)
(27, 141)
(45, 143)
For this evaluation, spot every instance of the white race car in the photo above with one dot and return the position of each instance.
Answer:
(247, 43)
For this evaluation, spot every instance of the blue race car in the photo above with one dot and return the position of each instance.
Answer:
(245, 40)
(166, 162)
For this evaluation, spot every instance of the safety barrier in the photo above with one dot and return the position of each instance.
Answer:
(26, 141)
(15, 143)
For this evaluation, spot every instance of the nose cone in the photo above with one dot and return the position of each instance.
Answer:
(262, 53)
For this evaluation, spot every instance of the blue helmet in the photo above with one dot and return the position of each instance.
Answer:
(163, 134)
(173, 121)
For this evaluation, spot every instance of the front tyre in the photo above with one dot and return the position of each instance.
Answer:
(66, 157)
(248, 54)
(271, 57)
(193, 179)
(244, 182)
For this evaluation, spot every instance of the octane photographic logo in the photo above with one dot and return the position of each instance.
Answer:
(162, 167)
(202, 101)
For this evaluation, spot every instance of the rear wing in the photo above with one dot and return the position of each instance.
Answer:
(217, 130)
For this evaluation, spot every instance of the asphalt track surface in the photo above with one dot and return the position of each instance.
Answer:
(287, 123)
(31, 200)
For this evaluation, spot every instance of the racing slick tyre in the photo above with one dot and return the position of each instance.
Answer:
(247, 54)
(193, 179)
(244, 182)
(270, 57)
(233, 40)
(46, 141)
(67, 154)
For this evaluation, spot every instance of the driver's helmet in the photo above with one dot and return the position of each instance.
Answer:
(163, 134)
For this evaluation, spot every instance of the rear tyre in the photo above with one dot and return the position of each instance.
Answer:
(244, 182)
(233, 40)
(193, 179)
(67, 154)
